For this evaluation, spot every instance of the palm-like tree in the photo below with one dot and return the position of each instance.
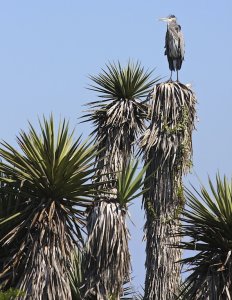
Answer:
(50, 179)
(167, 144)
(119, 117)
(207, 222)
(128, 184)
(107, 260)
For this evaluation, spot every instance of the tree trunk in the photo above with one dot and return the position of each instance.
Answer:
(108, 258)
(167, 145)
(47, 258)
(163, 273)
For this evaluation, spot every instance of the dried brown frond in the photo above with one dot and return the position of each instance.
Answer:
(116, 133)
(108, 259)
(168, 139)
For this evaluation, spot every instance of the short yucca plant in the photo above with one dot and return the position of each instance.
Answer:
(207, 222)
(50, 175)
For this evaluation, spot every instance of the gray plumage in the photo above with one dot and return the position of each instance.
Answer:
(174, 44)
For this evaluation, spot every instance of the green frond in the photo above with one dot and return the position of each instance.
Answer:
(129, 183)
(76, 274)
(49, 166)
(45, 189)
(117, 82)
(119, 116)
(208, 224)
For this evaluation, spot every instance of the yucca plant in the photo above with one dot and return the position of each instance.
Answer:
(207, 222)
(107, 259)
(51, 172)
(119, 118)
(167, 144)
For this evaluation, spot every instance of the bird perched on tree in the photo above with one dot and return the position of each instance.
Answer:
(174, 44)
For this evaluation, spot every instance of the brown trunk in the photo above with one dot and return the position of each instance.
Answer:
(163, 273)
(47, 258)
(167, 144)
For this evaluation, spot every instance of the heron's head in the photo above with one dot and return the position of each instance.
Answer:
(168, 19)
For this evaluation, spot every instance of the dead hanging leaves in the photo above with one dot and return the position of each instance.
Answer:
(169, 136)
(167, 145)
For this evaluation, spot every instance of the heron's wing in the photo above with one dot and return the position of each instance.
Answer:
(172, 43)
(166, 46)
(168, 38)
(181, 44)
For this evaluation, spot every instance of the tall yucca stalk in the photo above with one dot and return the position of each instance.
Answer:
(167, 143)
(207, 222)
(118, 118)
(50, 176)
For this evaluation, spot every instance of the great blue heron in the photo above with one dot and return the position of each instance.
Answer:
(174, 44)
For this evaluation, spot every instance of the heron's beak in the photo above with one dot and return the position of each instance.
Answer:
(164, 19)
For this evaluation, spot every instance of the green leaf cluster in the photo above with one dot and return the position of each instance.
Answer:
(129, 182)
(116, 82)
(207, 222)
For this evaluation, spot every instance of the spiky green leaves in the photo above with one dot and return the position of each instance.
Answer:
(49, 166)
(119, 116)
(129, 183)
(76, 274)
(116, 82)
(49, 180)
(208, 224)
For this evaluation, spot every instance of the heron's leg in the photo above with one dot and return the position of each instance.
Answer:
(177, 75)
(170, 79)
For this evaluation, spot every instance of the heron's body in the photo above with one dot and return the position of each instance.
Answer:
(174, 44)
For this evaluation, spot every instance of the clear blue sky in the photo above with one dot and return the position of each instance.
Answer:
(48, 48)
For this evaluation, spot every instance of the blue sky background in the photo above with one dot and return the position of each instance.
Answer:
(48, 48)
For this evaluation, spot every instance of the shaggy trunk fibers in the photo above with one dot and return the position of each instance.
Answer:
(44, 258)
(163, 274)
(107, 251)
(167, 143)
(107, 255)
